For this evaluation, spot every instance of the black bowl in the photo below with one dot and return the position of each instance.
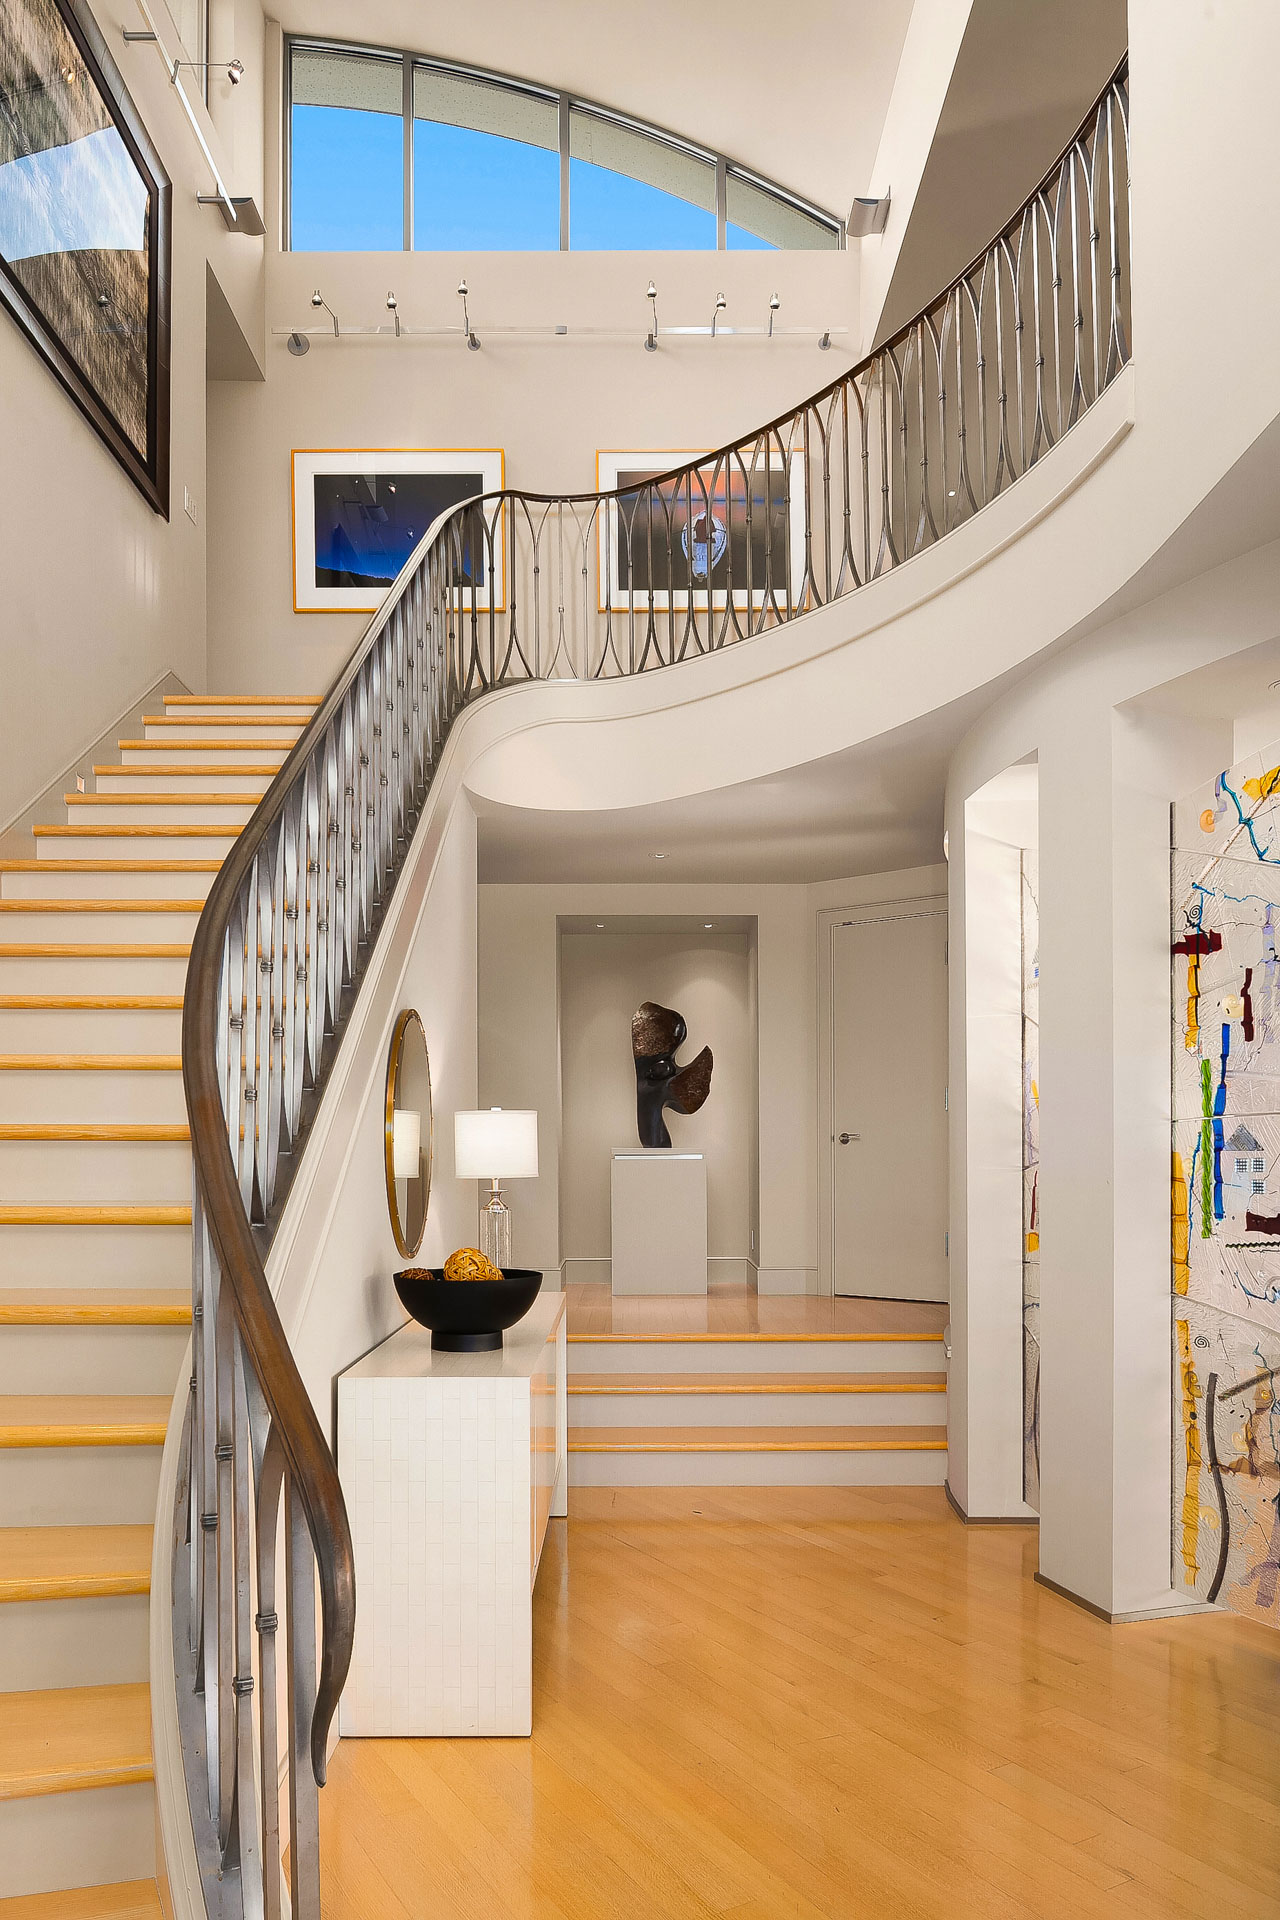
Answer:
(468, 1316)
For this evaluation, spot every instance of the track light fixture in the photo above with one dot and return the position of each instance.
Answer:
(651, 338)
(393, 308)
(472, 342)
(721, 304)
(234, 69)
(318, 300)
(775, 301)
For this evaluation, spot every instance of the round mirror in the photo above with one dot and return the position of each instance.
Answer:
(408, 1132)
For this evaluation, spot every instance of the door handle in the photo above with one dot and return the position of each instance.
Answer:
(845, 1138)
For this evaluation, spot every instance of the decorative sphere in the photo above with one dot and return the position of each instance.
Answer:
(468, 1263)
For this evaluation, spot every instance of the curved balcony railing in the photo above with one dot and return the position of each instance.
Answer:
(880, 465)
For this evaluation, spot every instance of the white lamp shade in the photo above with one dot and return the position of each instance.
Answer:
(406, 1143)
(495, 1143)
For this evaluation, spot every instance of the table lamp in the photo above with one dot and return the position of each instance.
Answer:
(493, 1144)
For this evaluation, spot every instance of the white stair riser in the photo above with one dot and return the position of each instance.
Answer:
(222, 780)
(238, 753)
(141, 925)
(83, 973)
(175, 813)
(78, 1486)
(289, 710)
(879, 1469)
(757, 1409)
(92, 1359)
(47, 883)
(59, 1094)
(73, 1643)
(130, 846)
(224, 727)
(764, 1356)
(89, 1029)
(62, 1840)
(95, 1173)
(116, 1256)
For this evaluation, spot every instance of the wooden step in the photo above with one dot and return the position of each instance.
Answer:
(792, 1383)
(161, 799)
(157, 831)
(90, 1063)
(95, 950)
(126, 1900)
(95, 1307)
(74, 1130)
(95, 1216)
(73, 1563)
(236, 720)
(241, 700)
(203, 745)
(149, 773)
(66, 1739)
(109, 866)
(83, 1420)
(757, 1439)
(114, 904)
(91, 1002)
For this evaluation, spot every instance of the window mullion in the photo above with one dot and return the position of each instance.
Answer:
(408, 153)
(564, 172)
(722, 203)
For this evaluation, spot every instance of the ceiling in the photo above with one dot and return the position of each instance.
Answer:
(798, 93)
(876, 808)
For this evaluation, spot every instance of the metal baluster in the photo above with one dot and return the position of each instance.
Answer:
(304, 1807)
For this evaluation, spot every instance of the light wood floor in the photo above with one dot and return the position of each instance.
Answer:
(804, 1705)
(728, 1310)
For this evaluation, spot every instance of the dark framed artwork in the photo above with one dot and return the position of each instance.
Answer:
(359, 512)
(85, 208)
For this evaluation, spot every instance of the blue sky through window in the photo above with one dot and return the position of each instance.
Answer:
(478, 190)
(348, 180)
(738, 238)
(610, 211)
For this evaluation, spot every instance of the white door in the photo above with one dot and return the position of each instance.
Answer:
(889, 1121)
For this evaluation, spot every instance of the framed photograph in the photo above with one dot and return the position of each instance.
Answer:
(359, 512)
(730, 529)
(85, 210)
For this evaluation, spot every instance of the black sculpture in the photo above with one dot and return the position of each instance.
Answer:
(656, 1032)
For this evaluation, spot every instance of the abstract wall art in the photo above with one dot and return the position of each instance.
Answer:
(358, 514)
(84, 231)
(1031, 1177)
(656, 1032)
(730, 531)
(1226, 1189)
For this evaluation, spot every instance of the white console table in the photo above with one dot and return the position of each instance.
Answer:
(451, 1465)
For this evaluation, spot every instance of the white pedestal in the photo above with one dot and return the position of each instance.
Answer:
(451, 1464)
(659, 1221)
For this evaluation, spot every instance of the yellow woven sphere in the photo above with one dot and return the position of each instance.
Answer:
(468, 1263)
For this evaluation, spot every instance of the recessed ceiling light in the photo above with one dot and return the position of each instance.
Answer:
(707, 925)
(1273, 686)
(659, 856)
(599, 926)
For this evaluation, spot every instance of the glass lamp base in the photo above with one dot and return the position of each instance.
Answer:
(495, 1230)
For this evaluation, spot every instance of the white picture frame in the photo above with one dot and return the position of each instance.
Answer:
(614, 468)
(363, 480)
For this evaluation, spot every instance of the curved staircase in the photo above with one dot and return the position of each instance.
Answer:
(95, 1294)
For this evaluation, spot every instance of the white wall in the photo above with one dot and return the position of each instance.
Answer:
(102, 595)
(604, 977)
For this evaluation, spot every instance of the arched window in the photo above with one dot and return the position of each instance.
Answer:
(392, 151)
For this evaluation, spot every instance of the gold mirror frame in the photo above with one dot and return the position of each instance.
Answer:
(408, 1024)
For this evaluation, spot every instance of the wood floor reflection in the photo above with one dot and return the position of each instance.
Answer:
(816, 1705)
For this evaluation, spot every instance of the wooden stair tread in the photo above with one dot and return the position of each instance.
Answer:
(91, 1002)
(757, 1439)
(210, 746)
(110, 866)
(90, 1130)
(160, 799)
(653, 1337)
(242, 699)
(95, 1307)
(196, 829)
(73, 1563)
(83, 1420)
(90, 1063)
(63, 1739)
(95, 1216)
(757, 1383)
(128, 903)
(94, 950)
(211, 720)
(124, 1900)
